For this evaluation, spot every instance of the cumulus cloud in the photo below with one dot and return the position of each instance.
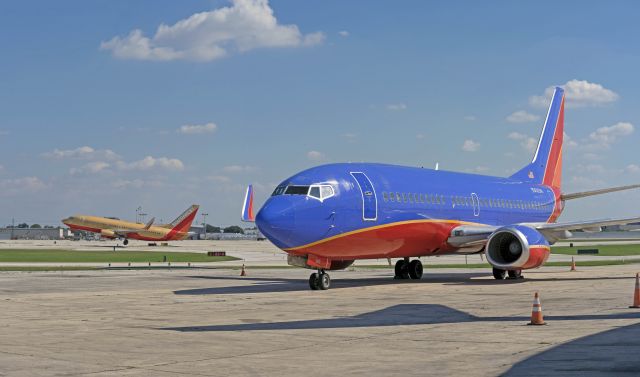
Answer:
(578, 93)
(527, 142)
(189, 129)
(343, 33)
(632, 168)
(206, 36)
(396, 106)
(21, 185)
(85, 152)
(522, 117)
(470, 146)
(315, 156)
(93, 167)
(149, 162)
(239, 169)
(603, 137)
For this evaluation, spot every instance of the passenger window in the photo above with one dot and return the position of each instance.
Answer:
(398, 197)
(392, 197)
(384, 196)
(410, 195)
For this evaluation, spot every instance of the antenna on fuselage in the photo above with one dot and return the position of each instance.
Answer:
(437, 165)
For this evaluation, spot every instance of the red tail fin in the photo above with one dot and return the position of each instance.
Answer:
(183, 222)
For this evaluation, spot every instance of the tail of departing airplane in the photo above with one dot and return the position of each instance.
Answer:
(546, 167)
(183, 222)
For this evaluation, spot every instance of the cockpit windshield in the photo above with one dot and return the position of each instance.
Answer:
(320, 192)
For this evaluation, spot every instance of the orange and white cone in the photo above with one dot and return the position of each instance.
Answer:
(573, 265)
(243, 272)
(636, 293)
(536, 312)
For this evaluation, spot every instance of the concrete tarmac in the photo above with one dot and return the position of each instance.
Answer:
(216, 323)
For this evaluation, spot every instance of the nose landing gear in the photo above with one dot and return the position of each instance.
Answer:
(319, 281)
(405, 269)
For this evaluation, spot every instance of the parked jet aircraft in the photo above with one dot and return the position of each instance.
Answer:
(328, 216)
(178, 229)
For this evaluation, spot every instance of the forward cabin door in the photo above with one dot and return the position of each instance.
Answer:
(476, 204)
(369, 199)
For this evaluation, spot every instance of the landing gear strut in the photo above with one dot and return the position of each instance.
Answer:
(500, 274)
(405, 269)
(125, 242)
(319, 280)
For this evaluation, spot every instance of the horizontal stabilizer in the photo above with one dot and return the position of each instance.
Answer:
(597, 192)
(247, 206)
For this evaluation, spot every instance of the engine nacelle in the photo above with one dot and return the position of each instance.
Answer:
(107, 233)
(517, 247)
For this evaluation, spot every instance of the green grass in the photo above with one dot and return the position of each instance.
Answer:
(604, 250)
(46, 268)
(104, 256)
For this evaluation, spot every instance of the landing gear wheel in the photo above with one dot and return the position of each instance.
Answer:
(314, 281)
(125, 242)
(402, 270)
(324, 281)
(499, 274)
(415, 269)
(515, 274)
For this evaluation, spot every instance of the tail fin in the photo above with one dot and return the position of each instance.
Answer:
(183, 222)
(247, 206)
(546, 167)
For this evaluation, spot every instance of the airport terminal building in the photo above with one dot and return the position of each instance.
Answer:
(35, 233)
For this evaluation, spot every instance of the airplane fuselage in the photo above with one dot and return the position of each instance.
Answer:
(111, 228)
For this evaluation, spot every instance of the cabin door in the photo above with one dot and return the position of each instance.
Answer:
(476, 204)
(369, 199)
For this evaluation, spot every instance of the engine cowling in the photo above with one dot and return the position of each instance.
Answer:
(107, 233)
(517, 247)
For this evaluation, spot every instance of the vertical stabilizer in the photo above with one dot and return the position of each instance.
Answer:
(546, 167)
(183, 222)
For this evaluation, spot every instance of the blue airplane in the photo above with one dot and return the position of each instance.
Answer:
(326, 217)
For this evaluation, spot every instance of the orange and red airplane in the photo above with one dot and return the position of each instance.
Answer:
(178, 229)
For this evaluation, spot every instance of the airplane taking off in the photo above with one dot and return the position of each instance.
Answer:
(326, 217)
(178, 229)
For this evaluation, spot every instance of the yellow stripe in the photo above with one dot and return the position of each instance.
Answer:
(460, 222)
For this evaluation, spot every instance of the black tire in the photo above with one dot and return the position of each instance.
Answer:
(125, 242)
(402, 270)
(499, 274)
(415, 269)
(515, 274)
(314, 282)
(324, 281)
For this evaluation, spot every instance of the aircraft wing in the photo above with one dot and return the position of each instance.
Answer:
(472, 235)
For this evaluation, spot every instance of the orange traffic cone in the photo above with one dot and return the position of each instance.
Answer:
(536, 312)
(243, 272)
(636, 293)
(573, 265)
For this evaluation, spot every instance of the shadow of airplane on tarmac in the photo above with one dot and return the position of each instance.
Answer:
(397, 315)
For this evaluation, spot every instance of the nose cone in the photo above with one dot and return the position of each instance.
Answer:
(277, 220)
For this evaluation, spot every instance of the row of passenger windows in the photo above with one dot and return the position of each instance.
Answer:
(464, 201)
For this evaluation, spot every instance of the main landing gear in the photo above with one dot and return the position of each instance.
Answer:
(500, 274)
(319, 281)
(405, 269)
(125, 242)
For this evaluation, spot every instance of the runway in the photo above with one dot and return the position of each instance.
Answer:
(216, 323)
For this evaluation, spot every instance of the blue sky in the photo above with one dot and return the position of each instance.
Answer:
(102, 109)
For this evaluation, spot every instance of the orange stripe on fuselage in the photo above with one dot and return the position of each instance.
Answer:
(553, 170)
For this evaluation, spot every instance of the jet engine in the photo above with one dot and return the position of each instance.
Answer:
(107, 233)
(517, 247)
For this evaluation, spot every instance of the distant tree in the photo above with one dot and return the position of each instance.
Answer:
(49, 227)
(213, 229)
(233, 229)
(36, 226)
(23, 225)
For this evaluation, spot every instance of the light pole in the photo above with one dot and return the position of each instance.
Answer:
(142, 217)
(204, 224)
(138, 210)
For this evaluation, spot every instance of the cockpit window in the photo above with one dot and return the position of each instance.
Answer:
(297, 190)
(315, 192)
(279, 190)
(327, 191)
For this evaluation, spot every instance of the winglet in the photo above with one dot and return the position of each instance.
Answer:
(146, 227)
(247, 207)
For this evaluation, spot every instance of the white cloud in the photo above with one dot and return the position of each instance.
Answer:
(315, 156)
(522, 117)
(150, 162)
(85, 152)
(93, 167)
(21, 185)
(126, 183)
(470, 146)
(603, 137)
(578, 93)
(189, 129)
(396, 106)
(420, 136)
(568, 141)
(219, 178)
(470, 118)
(206, 36)
(343, 33)
(632, 168)
(239, 169)
(527, 142)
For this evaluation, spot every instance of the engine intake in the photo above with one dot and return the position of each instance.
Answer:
(517, 248)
